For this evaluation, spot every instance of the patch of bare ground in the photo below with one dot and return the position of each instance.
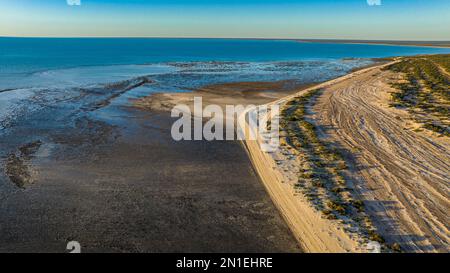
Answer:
(222, 94)
(18, 165)
(422, 87)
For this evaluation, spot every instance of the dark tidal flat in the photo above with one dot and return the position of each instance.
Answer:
(130, 188)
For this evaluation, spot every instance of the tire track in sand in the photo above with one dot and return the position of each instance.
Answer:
(403, 175)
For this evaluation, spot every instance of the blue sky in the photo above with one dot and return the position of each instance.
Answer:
(343, 19)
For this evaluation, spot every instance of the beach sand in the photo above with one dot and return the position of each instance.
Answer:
(238, 93)
(311, 232)
(401, 174)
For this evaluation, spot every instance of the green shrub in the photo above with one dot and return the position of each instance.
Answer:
(373, 236)
(358, 204)
(338, 207)
(317, 183)
(396, 247)
(342, 165)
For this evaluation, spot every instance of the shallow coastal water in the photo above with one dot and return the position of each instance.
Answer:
(41, 59)
(52, 69)
(66, 65)
(49, 87)
(25, 55)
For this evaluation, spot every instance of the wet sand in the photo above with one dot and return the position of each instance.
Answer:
(126, 186)
(238, 93)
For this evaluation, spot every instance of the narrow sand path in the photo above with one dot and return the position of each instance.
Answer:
(403, 175)
(442, 69)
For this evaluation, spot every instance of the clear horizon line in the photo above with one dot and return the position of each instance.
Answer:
(218, 38)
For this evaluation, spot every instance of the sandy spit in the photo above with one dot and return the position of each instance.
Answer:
(401, 174)
(314, 234)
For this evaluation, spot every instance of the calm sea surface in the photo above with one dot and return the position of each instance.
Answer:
(43, 61)
(67, 75)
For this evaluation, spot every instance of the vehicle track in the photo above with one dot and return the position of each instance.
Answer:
(402, 175)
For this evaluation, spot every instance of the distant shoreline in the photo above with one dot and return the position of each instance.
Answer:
(436, 44)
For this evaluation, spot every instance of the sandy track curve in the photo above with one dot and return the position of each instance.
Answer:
(403, 175)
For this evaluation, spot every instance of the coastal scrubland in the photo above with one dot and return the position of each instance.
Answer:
(424, 90)
(370, 152)
(322, 176)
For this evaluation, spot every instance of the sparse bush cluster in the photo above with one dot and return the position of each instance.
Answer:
(426, 89)
(322, 179)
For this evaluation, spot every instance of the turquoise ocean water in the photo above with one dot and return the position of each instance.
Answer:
(40, 77)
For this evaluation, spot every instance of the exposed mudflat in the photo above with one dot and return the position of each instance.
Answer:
(236, 93)
(18, 167)
(110, 177)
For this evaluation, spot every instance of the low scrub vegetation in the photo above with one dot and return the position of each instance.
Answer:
(425, 90)
(322, 177)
